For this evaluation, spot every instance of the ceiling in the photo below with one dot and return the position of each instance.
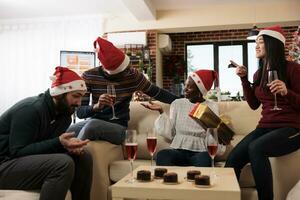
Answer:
(16, 9)
(163, 15)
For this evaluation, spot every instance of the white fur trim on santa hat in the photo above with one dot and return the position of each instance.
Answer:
(198, 82)
(121, 68)
(274, 34)
(78, 85)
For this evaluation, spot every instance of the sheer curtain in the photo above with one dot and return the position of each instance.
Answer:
(30, 50)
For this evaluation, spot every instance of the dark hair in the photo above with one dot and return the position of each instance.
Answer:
(275, 58)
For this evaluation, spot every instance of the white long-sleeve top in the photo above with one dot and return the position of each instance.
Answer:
(183, 130)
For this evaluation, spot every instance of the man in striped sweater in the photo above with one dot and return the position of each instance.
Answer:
(115, 70)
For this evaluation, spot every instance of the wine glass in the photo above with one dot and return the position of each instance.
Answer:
(131, 149)
(151, 143)
(112, 92)
(272, 76)
(212, 146)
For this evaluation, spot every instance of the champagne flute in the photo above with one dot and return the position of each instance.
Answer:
(151, 143)
(131, 149)
(112, 92)
(212, 146)
(272, 76)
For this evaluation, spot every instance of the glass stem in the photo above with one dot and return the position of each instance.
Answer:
(275, 100)
(113, 110)
(151, 159)
(131, 165)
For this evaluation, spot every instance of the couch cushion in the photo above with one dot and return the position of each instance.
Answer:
(24, 195)
(246, 177)
(294, 194)
(142, 120)
(119, 169)
(19, 194)
(242, 118)
(249, 194)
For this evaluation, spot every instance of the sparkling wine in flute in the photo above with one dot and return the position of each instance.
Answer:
(151, 144)
(212, 150)
(131, 149)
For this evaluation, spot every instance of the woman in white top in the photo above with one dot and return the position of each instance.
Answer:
(188, 136)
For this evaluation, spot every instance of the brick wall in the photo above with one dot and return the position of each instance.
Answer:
(151, 45)
(179, 40)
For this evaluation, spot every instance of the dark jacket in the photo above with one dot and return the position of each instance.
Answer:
(31, 127)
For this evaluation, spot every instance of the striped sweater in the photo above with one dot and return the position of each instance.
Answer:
(126, 83)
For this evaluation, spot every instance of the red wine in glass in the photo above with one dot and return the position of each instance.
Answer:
(212, 146)
(131, 149)
(212, 150)
(151, 144)
(131, 146)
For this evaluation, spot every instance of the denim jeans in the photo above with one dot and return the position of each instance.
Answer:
(96, 129)
(256, 148)
(180, 157)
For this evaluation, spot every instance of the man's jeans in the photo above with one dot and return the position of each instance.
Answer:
(96, 129)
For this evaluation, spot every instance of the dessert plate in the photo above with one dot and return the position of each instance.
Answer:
(171, 183)
(145, 181)
(204, 186)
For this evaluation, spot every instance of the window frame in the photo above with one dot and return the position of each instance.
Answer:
(216, 45)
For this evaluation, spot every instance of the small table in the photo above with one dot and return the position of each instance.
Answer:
(226, 187)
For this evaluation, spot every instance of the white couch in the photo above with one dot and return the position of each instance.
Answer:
(110, 165)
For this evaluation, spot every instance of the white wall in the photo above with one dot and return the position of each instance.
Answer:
(30, 50)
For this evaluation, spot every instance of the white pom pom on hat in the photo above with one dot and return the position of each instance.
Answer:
(273, 31)
(65, 80)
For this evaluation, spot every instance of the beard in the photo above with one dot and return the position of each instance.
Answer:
(62, 106)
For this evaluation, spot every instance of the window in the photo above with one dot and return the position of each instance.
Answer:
(216, 56)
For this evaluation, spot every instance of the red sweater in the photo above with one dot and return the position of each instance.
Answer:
(289, 116)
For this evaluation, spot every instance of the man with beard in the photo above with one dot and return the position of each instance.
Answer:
(35, 151)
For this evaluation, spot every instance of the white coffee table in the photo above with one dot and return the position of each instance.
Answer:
(225, 188)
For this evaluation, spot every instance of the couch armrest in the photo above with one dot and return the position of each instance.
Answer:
(103, 154)
(286, 173)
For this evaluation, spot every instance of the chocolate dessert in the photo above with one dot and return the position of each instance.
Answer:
(192, 173)
(170, 177)
(143, 175)
(159, 172)
(202, 180)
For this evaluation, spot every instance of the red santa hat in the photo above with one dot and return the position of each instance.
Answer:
(273, 31)
(112, 59)
(204, 79)
(65, 80)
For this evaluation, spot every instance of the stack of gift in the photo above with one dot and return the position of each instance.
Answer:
(208, 119)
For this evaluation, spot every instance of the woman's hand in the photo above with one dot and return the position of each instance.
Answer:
(153, 106)
(278, 86)
(241, 71)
